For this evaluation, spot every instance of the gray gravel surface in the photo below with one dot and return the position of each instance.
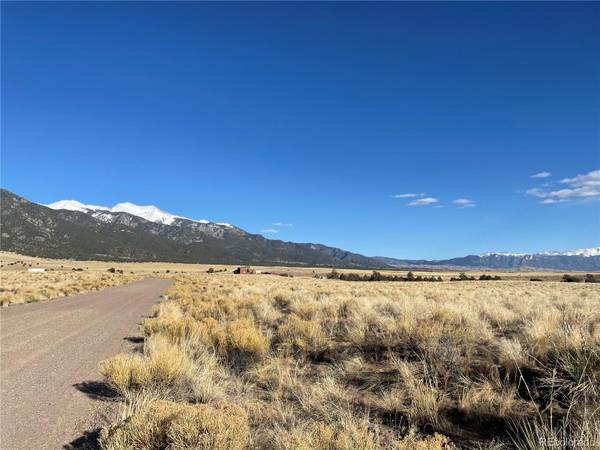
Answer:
(51, 394)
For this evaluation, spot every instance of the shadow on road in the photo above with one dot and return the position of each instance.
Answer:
(98, 390)
(88, 441)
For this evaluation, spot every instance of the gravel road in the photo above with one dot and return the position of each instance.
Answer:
(50, 389)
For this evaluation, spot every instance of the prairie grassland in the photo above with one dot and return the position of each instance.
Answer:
(24, 287)
(13, 261)
(244, 362)
(65, 277)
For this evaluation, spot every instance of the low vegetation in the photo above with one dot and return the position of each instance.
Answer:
(588, 278)
(25, 287)
(305, 363)
(378, 276)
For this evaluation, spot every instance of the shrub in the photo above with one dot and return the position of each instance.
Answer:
(342, 436)
(245, 341)
(333, 275)
(167, 368)
(125, 372)
(298, 335)
(482, 402)
(378, 276)
(485, 277)
(462, 277)
(175, 329)
(416, 397)
(435, 442)
(589, 278)
(163, 424)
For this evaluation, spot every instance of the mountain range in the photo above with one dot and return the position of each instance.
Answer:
(586, 259)
(129, 232)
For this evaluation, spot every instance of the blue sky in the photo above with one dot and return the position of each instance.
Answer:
(316, 117)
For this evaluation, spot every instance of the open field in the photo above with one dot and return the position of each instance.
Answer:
(232, 362)
(24, 287)
(67, 277)
(16, 262)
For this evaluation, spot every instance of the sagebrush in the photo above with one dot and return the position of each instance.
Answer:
(326, 364)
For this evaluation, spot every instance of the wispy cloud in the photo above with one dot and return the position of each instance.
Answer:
(543, 174)
(269, 230)
(423, 201)
(409, 195)
(464, 202)
(282, 224)
(580, 187)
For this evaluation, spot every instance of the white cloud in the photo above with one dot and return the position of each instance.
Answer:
(580, 187)
(543, 174)
(464, 202)
(551, 201)
(409, 195)
(591, 179)
(423, 201)
(282, 224)
(269, 230)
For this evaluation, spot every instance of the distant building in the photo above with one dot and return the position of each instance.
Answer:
(244, 270)
(36, 270)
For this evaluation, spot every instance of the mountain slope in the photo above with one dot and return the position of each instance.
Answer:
(95, 232)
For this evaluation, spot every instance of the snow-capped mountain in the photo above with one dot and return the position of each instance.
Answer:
(587, 252)
(584, 259)
(129, 232)
(74, 205)
(148, 212)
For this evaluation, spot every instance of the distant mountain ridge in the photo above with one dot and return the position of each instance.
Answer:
(130, 232)
(585, 259)
(593, 251)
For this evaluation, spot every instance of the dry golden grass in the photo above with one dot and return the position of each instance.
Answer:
(327, 364)
(24, 287)
(163, 424)
(12, 261)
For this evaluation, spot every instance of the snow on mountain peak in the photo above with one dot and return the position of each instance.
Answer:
(593, 251)
(148, 212)
(74, 205)
(502, 254)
